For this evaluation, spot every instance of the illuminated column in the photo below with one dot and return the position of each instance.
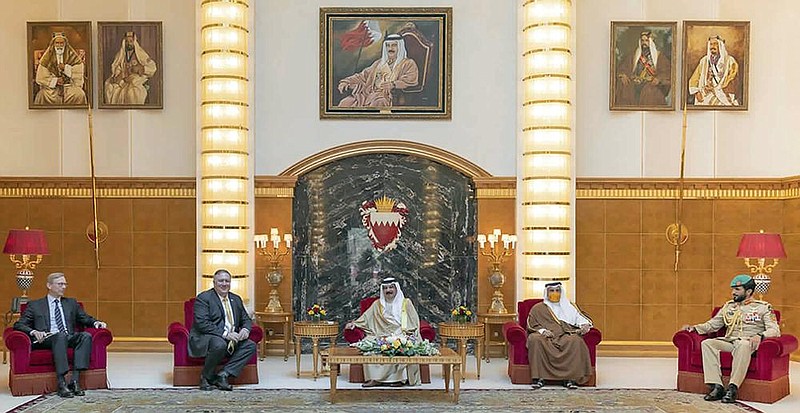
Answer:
(546, 187)
(225, 175)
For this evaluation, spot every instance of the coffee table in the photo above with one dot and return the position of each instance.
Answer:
(449, 360)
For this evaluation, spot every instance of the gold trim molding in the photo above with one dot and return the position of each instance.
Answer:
(695, 188)
(275, 186)
(61, 187)
(496, 187)
(422, 150)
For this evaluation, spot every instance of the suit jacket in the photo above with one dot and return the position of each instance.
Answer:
(37, 316)
(209, 320)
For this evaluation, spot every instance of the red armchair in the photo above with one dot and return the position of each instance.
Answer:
(352, 336)
(767, 378)
(33, 372)
(186, 370)
(517, 337)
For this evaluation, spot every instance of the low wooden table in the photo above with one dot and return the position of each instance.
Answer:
(463, 332)
(450, 361)
(494, 319)
(315, 331)
(285, 319)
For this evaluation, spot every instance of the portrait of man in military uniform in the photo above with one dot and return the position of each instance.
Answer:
(747, 321)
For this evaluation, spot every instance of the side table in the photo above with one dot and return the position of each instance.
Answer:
(495, 319)
(315, 331)
(263, 318)
(9, 319)
(463, 332)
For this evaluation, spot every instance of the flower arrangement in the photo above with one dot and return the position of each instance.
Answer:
(461, 314)
(316, 312)
(392, 346)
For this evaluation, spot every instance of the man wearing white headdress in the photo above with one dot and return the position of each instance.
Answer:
(131, 69)
(392, 314)
(644, 76)
(373, 86)
(60, 74)
(712, 83)
(556, 350)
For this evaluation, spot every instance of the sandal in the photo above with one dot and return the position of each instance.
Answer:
(371, 383)
(537, 384)
(570, 384)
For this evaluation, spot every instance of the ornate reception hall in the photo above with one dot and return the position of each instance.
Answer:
(639, 153)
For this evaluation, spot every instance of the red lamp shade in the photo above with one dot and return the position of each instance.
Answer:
(761, 245)
(26, 241)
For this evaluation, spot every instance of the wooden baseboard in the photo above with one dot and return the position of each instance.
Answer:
(140, 345)
(637, 349)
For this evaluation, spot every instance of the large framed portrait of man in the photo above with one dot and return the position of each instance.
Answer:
(385, 63)
(642, 66)
(131, 65)
(716, 62)
(59, 65)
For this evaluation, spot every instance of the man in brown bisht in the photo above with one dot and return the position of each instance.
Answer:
(556, 350)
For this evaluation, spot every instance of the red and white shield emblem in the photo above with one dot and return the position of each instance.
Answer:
(383, 218)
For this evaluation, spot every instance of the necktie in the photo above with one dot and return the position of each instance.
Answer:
(59, 317)
(229, 314)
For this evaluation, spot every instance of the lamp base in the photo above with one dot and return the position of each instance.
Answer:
(762, 284)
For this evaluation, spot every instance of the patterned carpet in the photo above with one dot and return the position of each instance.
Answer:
(381, 400)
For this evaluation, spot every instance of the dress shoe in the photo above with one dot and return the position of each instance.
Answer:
(63, 391)
(716, 393)
(731, 394)
(537, 384)
(76, 389)
(222, 382)
(371, 383)
(396, 384)
(570, 384)
(204, 384)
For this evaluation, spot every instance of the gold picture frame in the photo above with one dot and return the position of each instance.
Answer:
(642, 75)
(131, 66)
(385, 63)
(722, 85)
(59, 64)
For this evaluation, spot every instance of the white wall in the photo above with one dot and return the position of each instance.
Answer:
(760, 142)
(127, 142)
(287, 123)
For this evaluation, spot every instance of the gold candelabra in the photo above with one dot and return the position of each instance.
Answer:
(269, 246)
(500, 247)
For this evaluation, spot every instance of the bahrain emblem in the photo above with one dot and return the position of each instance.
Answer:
(383, 218)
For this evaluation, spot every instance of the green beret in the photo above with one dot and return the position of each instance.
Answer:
(740, 280)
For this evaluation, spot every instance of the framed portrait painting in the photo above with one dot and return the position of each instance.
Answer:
(59, 65)
(642, 66)
(716, 62)
(131, 65)
(379, 63)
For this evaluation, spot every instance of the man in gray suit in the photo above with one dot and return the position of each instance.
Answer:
(51, 322)
(221, 328)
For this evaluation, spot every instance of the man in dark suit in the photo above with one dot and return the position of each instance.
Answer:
(51, 322)
(221, 327)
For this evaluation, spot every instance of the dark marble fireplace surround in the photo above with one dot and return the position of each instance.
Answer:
(335, 264)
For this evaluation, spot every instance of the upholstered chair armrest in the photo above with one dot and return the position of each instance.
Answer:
(515, 334)
(688, 341)
(774, 347)
(101, 338)
(593, 337)
(178, 335)
(19, 344)
(256, 334)
(353, 336)
(426, 331)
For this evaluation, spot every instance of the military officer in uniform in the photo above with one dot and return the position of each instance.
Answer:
(748, 321)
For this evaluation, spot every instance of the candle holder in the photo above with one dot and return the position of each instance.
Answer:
(269, 246)
(500, 247)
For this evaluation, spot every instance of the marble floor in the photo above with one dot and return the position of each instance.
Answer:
(151, 370)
